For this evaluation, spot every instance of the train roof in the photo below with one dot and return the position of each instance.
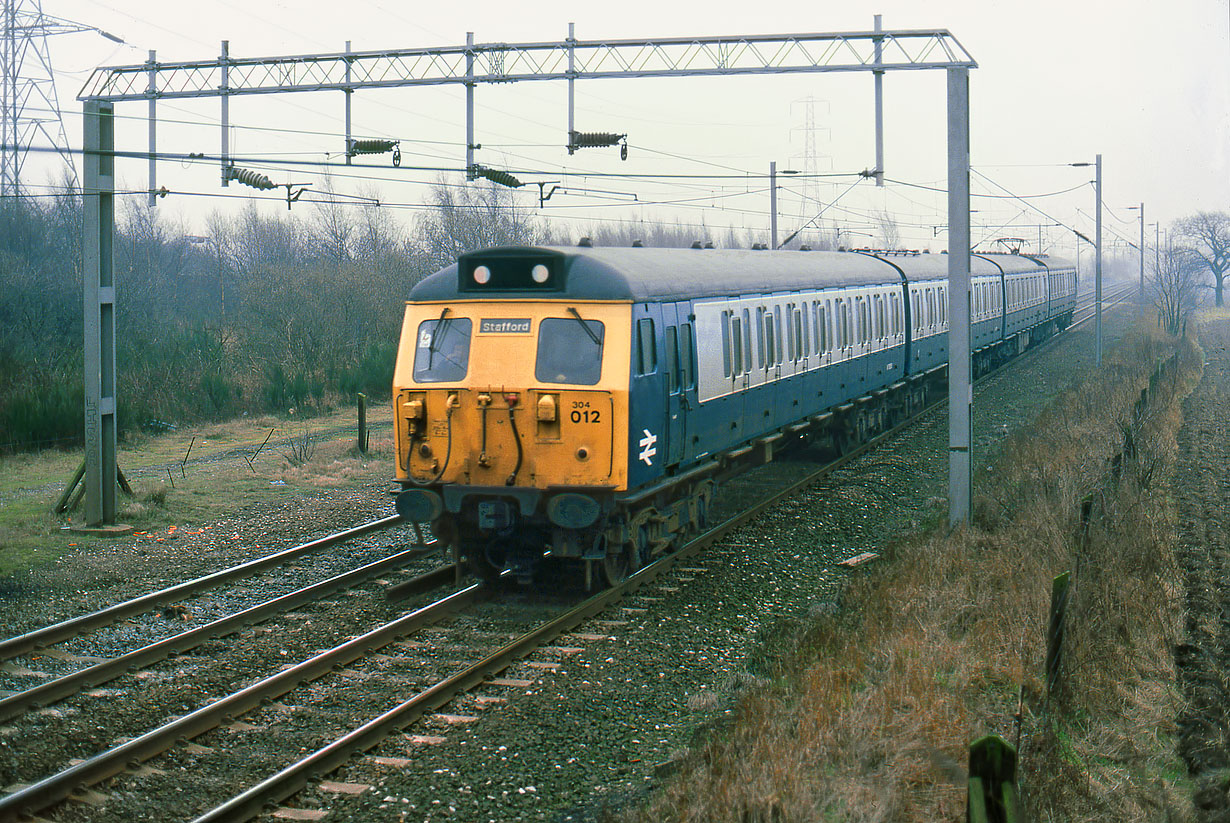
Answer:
(657, 274)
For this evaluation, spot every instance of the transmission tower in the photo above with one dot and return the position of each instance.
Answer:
(29, 108)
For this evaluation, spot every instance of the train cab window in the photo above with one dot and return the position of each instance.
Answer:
(672, 358)
(687, 375)
(442, 354)
(569, 351)
(646, 347)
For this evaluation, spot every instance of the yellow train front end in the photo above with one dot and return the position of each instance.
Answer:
(510, 424)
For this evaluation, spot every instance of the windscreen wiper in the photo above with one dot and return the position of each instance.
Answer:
(585, 326)
(431, 346)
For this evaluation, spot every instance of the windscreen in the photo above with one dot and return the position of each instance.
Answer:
(569, 351)
(442, 352)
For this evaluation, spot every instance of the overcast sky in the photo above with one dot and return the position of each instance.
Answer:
(1058, 82)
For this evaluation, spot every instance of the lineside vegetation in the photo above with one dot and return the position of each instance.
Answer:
(870, 712)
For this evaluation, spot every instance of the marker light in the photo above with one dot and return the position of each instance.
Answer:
(540, 273)
(482, 275)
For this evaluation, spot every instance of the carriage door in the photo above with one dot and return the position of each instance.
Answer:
(674, 318)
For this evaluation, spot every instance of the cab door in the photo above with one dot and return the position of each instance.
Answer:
(648, 420)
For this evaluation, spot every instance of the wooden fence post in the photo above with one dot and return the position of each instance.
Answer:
(363, 423)
(993, 794)
(1054, 639)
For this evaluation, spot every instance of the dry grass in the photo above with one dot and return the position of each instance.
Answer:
(872, 718)
(218, 486)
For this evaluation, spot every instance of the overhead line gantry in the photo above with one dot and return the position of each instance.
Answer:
(473, 64)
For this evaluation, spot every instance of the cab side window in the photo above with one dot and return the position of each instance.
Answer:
(646, 347)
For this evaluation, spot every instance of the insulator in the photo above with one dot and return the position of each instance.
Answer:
(371, 146)
(595, 139)
(497, 176)
(252, 178)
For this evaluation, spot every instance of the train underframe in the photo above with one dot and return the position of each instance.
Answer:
(494, 530)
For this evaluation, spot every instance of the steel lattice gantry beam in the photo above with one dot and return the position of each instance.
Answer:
(512, 62)
(473, 64)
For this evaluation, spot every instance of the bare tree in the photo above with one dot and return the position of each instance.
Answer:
(465, 218)
(1175, 285)
(1207, 233)
(887, 231)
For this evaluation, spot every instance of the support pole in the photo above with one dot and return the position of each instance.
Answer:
(1097, 267)
(226, 112)
(470, 175)
(1142, 252)
(960, 391)
(152, 89)
(98, 191)
(879, 84)
(572, 67)
(772, 204)
(349, 91)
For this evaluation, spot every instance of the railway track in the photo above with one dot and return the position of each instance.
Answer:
(431, 694)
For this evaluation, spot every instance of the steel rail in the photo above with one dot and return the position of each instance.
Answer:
(290, 780)
(67, 629)
(47, 693)
(57, 787)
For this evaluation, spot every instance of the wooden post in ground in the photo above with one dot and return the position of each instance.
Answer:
(993, 794)
(1054, 639)
(363, 423)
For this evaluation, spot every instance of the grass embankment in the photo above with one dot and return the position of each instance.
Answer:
(215, 481)
(870, 712)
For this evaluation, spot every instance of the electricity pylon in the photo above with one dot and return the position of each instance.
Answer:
(29, 108)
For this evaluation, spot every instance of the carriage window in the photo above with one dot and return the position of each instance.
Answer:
(791, 348)
(760, 337)
(672, 358)
(442, 353)
(736, 342)
(800, 319)
(646, 347)
(828, 319)
(916, 298)
(686, 372)
(845, 322)
(822, 337)
(747, 341)
(726, 343)
(770, 348)
(777, 328)
(569, 351)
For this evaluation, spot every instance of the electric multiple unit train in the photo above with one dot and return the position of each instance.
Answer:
(583, 402)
